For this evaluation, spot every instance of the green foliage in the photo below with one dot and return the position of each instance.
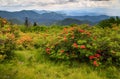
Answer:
(23, 68)
(33, 28)
(67, 45)
(110, 22)
(80, 51)
(92, 45)
(3, 22)
(7, 42)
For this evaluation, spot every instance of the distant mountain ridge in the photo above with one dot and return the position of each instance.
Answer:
(47, 17)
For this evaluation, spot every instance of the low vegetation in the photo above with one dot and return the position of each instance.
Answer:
(54, 52)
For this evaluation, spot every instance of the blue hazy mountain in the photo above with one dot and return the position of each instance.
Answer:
(50, 17)
(78, 13)
(42, 11)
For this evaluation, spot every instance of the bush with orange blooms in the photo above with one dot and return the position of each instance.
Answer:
(3, 22)
(73, 42)
(24, 41)
(7, 43)
(93, 45)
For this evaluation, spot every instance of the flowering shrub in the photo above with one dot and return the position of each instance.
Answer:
(7, 43)
(92, 45)
(73, 42)
(3, 21)
(24, 41)
(8, 36)
(107, 42)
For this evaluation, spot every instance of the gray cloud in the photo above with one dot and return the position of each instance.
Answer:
(73, 0)
(57, 4)
(65, 1)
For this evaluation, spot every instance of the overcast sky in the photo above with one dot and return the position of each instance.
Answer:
(110, 7)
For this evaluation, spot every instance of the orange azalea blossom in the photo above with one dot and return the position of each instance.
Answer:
(19, 42)
(95, 63)
(66, 32)
(91, 57)
(82, 46)
(11, 36)
(72, 28)
(8, 29)
(75, 45)
(97, 55)
(65, 29)
(26, 38)
(47, 49)
(81, 31)
(4, 21)
(61, 51)
(88, 34)
(65, 38)
(95, 38)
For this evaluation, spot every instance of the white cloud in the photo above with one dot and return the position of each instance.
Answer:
(12, 5)
(51, 3)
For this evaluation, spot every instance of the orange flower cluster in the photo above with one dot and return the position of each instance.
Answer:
(65, 31)
(10, 36)
(8, 29)
(73, 37)
(81, 31)
(85, 32)
(61, 51)
(82, 46)
(88, 34)
(96, 56)
(4, 22)
(65, 38)
(94, 37)
(95, 63)
(75, 45)
(48, 50)
(72, 28)
(24, 39)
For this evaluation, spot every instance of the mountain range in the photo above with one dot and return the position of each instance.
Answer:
(51, 17)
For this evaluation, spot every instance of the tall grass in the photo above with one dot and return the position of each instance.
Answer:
(27, 67)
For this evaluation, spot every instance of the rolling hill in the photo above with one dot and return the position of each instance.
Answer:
(47, 17)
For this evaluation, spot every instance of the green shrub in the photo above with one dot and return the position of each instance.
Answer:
(7, 42)
(109, 22)
(92, 45)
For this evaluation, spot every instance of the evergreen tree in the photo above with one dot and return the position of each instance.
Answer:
(35, 24)
(26, 22)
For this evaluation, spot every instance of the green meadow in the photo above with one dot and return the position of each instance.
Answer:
(59, 52)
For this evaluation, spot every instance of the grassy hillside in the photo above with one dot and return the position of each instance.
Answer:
(68, 52)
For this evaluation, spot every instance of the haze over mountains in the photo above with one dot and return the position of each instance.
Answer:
(53, 17)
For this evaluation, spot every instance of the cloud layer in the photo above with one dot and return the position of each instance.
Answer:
(13, 5)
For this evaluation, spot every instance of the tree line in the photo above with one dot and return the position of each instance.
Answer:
(109, 22)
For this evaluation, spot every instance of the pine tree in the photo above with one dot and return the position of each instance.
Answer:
(26, 22)
(35, 24)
